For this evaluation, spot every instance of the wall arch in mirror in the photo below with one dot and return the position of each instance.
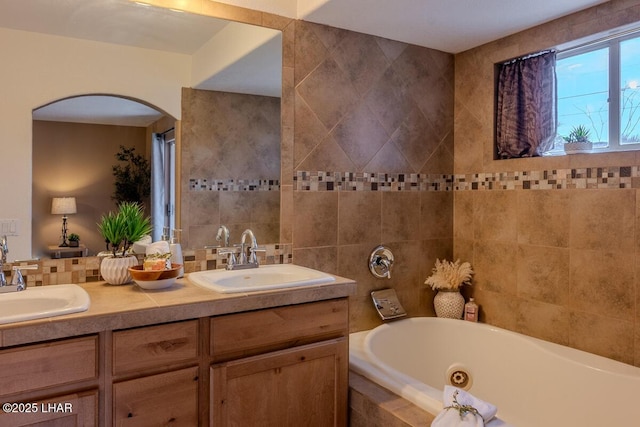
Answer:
(75, 142)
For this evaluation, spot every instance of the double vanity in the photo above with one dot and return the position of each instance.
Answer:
(265, 346)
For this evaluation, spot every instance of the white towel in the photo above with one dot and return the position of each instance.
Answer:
(454, 415)
(160, 247)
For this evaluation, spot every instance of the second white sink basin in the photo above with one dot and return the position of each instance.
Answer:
(42, 301)
(263, 278)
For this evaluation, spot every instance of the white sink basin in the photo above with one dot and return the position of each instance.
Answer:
(42, 301)
(262, 278)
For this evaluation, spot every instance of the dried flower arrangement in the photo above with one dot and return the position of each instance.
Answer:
(449, 275)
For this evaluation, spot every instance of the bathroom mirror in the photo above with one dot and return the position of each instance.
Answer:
(225, 63)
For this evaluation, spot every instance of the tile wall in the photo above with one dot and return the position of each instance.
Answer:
(230, 170)
(372, 136)
(557, 257)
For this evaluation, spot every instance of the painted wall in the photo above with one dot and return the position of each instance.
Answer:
(557, 257)
(57, 172)
(38, 69)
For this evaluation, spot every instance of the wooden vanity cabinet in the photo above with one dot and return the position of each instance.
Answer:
(155, 375)
(282, 366)
(285, 366)
(52, 383)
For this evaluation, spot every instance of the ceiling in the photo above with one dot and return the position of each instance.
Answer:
(447, 25)
(127, 23)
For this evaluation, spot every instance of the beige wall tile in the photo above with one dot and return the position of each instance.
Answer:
(603, 219)
(603, 283)
(494, 215)
(602, 335)
(545, 321)
(436, 214)
(543, 218)
(359, 217)
(493, 264)
(315, 221)
(400, 216)
(543, 274)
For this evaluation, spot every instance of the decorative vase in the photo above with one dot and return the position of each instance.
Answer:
(449, 303)
(115, 271)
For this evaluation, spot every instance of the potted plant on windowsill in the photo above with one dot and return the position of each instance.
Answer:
(119, 230)
(578, 140)
(74, 240)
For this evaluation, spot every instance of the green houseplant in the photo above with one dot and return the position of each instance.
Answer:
(578, 140)
(132, 176)
(120, 230)
(74, 240)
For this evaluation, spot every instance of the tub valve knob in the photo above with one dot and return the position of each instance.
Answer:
(380, 262)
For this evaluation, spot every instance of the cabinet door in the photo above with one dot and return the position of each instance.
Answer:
(78, 410)
(158, 400)
(302, 386)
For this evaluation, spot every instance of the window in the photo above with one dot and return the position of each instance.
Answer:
(599, 88)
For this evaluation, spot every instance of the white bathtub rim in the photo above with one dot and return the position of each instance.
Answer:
(586, 359)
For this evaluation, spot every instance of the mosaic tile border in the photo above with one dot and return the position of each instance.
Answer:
(364, 181)
(87, 269)
(610, 177)
(201, 184)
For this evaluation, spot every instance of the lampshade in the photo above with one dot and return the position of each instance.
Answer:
(63, 205)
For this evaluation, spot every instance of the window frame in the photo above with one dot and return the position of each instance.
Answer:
(614, 96)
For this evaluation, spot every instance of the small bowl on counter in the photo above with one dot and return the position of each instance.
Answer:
(155, 279)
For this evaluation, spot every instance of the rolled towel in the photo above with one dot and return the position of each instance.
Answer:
(157, 256)
(140, 247)
(462, 409)
(157, 248)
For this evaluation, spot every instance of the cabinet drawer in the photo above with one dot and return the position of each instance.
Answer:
(39, 366)
(78, 409)
(154, 346)
(169, 399)
(244, 334)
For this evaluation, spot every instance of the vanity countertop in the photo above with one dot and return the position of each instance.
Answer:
(126, 306)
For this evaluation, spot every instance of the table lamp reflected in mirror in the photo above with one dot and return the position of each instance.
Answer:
(63, 206)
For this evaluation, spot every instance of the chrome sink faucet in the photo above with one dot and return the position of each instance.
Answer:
(247, 254)
(248, 257)
(223, 235)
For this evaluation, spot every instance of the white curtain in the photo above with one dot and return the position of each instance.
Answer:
(158, 202)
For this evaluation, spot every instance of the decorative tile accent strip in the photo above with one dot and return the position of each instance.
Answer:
(555, 179)
(364, 181)
(87, 269)
(234, 185)
(209, 259)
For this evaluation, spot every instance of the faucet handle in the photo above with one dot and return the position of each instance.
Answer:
(253, 250)
(17, 278)
(231, 256)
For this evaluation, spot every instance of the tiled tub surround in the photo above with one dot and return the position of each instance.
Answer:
(363, 104)
(561, 265)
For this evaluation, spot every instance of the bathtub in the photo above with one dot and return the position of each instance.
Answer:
(532, 382)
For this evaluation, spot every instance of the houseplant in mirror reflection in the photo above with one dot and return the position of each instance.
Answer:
(447, 278)
(74, 240)
(119, 230)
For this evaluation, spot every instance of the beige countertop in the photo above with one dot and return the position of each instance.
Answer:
(127, 306)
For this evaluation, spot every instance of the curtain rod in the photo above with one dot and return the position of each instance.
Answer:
(527, 56)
